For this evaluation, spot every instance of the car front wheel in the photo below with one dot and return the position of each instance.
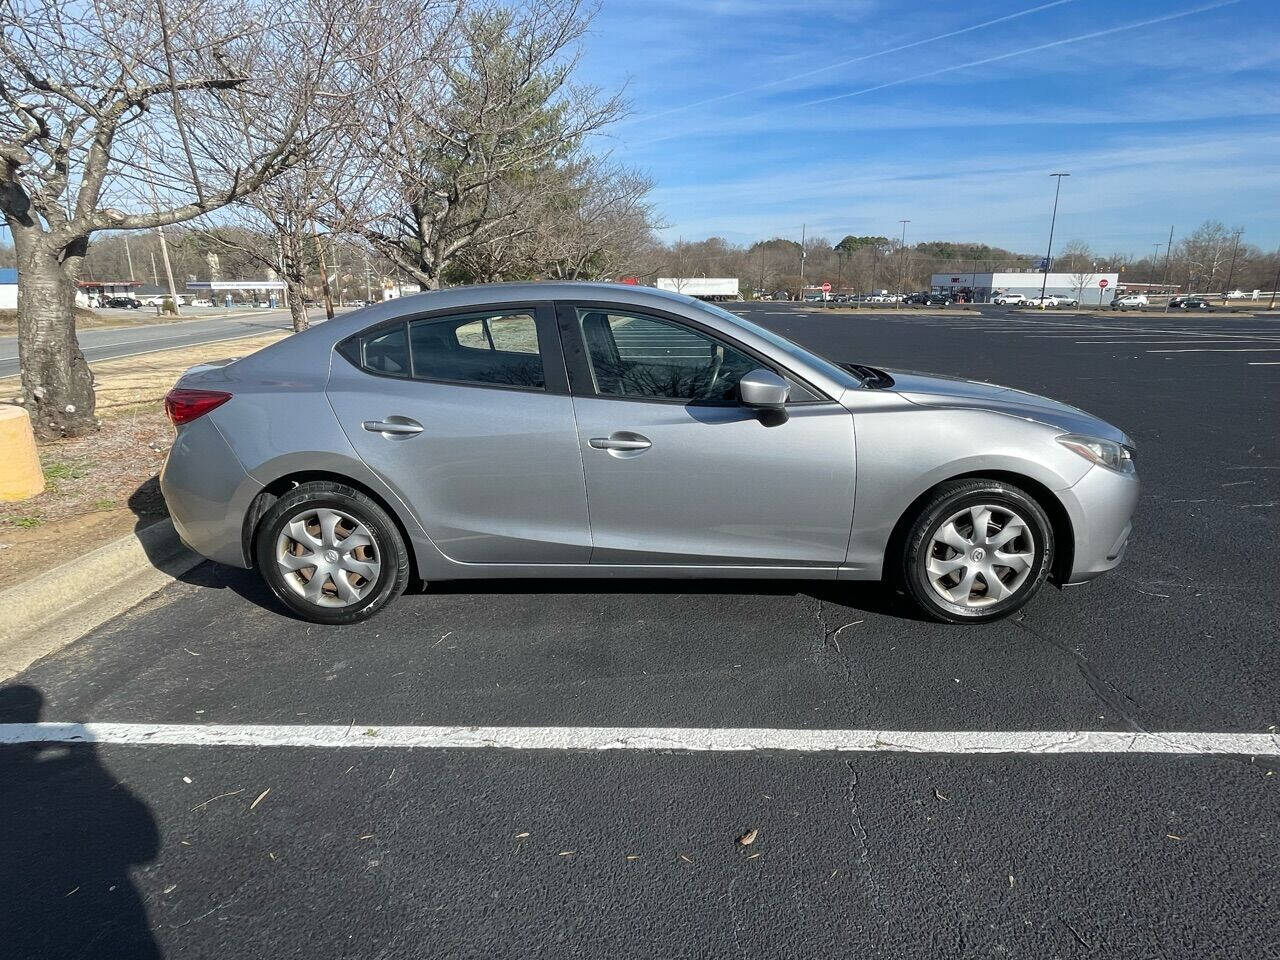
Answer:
(977, 551)
(331, 554)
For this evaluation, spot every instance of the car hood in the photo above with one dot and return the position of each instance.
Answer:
(938, 391)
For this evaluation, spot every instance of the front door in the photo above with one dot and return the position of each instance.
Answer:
(468, 418)
(678, 472)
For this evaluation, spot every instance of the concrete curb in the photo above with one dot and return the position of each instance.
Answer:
(65, 603)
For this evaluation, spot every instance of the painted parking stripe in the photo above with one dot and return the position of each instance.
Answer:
(717, 739)
(1221, 350)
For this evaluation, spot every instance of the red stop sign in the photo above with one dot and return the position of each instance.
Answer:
(1103, 284)
(826, 288)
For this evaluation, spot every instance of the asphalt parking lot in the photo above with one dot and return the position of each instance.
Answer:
(375, 850)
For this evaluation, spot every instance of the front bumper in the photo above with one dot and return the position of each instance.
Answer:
(1101, 505)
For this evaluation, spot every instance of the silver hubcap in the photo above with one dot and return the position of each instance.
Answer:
(327, 557)
(980, 556)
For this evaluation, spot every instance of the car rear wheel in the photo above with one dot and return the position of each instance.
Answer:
(331, 554)
(977, 551)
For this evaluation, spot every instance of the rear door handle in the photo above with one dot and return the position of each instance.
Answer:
(401, 426)
(621, 441)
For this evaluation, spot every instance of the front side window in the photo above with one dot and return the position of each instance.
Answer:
(647, 358)
(497, 349)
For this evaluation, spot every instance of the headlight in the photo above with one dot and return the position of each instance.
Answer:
(1105, 453)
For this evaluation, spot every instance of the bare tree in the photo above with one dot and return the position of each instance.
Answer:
(471, 110)
(128, 115)
(598, 225)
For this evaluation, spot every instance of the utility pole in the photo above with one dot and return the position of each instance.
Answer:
(802, 254)
(168, 271)
(902, 260)
(324, 273)
(1048, 257)
(1168, 249)
(1231, 271)
(155, 274)
(129, 256)
(1275, 283)
(368, 285)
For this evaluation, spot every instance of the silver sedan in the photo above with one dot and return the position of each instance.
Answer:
(600, 430)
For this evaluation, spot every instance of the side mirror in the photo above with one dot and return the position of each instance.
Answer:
(763, 389)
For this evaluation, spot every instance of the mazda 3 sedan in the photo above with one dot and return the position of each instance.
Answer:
(601, 430)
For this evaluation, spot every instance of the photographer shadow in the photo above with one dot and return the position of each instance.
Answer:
(71, 834)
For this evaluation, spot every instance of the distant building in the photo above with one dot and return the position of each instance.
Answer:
(981, 287)
(8, 288)
(704, 288)
(223, 292)
(93, 292)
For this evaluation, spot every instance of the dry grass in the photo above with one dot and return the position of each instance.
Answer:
(84, 320)
(100, 487)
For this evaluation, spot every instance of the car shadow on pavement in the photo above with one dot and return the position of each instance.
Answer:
(857, 596)
(71, 832)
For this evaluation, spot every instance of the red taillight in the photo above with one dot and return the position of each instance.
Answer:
(183, 406)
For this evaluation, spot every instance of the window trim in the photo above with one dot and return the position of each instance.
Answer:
(550, 348)
(578, 363)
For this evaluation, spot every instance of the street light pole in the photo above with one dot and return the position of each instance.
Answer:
(1168, 251)
(802, 229)
(902, 260)
(1044, 283)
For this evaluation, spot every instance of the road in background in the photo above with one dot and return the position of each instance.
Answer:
(371, 851)
(106, 343)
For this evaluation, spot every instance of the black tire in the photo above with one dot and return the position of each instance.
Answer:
(393, 573)
(949, 499)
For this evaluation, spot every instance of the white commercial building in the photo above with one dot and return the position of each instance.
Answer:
(981, 287)
(704, 288)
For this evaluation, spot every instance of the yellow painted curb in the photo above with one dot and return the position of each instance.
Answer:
(20, 473)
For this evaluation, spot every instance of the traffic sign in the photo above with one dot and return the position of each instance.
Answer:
(1102, 284)
(826, 288)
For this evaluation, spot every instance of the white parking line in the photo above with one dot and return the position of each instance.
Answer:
(1221, 350)
(719, 739)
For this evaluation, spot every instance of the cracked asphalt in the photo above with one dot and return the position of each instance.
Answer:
(176, 851)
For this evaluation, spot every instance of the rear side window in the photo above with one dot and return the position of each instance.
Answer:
(385, 352)
(499, 349)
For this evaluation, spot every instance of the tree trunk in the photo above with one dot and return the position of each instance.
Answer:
(57, 384)
(297, 306)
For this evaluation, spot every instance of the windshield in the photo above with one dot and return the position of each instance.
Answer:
(827, 367)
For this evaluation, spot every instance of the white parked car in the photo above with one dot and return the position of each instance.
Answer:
(1009, 299)
(1236, 295)
(201, 302)
(1130, 301)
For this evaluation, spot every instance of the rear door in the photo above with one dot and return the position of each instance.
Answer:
(467, 415)
(677, 471)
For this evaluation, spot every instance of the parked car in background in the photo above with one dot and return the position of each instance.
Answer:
(1189, 303)
(1067, 301)
(706, 446)
(159, 299)
(928, 300)
(1235, 295)
(123, 303)
(202, 302)
(1048, 300)
(1009, 299)
(1130, 301)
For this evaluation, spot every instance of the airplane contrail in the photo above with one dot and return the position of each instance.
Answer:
(844, 63)
(1015, 53)
(1093, 35)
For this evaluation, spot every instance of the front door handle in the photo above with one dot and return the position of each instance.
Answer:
(621, 440)
(400, 426)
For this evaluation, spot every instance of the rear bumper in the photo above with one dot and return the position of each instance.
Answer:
(208, 492)
(1101, 505)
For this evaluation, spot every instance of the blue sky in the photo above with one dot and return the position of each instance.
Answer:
(755, 116)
